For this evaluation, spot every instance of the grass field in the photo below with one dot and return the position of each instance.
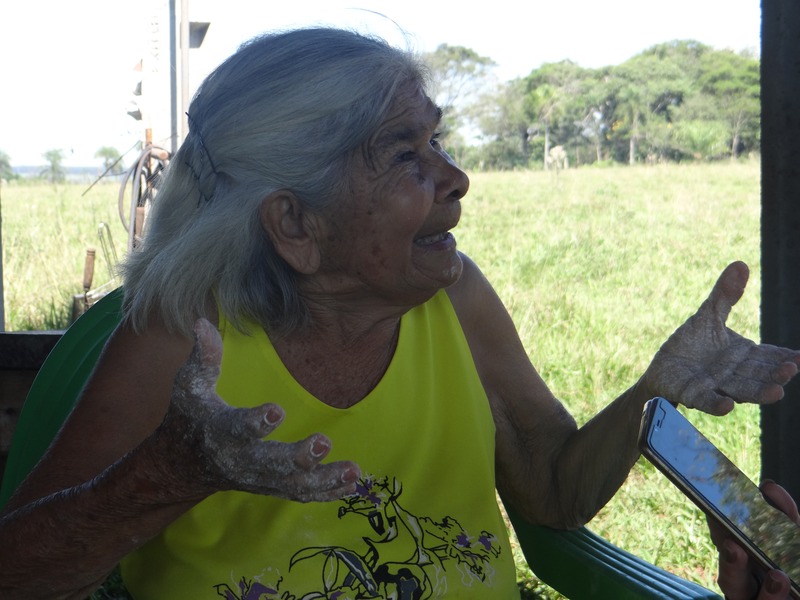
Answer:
(596, 266)
(46, 232)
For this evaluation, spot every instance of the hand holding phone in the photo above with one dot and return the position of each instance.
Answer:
(720, 489)
(739, 576)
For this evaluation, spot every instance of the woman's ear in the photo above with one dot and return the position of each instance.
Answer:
(291, 230)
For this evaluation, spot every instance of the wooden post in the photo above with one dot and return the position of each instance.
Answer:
(780, 227)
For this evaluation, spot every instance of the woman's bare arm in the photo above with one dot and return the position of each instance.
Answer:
(560, 475)
(75, 517)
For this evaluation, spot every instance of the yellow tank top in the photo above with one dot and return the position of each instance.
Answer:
(424, 522)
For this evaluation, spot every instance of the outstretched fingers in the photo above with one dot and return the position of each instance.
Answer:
(759, 375)
(331, 481)
(245, 461)
(244, 425)
(702, 394)
(758, 382)
(230, 442)
(755, 383)
(295, 471)
(728, 289)
(706, 365)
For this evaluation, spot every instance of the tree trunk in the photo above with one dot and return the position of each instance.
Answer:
(632, 151)
(780, 224)
(546, 145)
(632, 143)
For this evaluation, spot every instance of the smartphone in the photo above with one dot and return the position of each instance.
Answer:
(717, 486)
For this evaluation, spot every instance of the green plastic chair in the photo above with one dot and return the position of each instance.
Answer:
(578, 564)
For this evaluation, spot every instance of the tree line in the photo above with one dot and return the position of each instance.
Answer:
(55, 171)
(676, 101)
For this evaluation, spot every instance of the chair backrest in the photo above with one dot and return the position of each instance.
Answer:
(56, 387)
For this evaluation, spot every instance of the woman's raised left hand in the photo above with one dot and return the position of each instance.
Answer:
(706, 365)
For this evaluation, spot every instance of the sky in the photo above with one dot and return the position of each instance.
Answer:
(68, 74)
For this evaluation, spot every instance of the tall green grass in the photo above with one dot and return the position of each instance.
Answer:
(596, 266)
(46, 230)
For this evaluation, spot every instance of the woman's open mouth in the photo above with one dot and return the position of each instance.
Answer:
(436, 238)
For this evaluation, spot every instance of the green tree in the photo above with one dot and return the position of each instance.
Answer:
(54, 171)
(688, 54)
(592, 126)
(643, 94)
(700, 131)
(734, 83)
(6, 172)
(501, 118)
(458, 75)
(556, 102)
(674, 101)
(110, 158)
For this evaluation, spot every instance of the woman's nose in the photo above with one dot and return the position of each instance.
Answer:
(454, 182)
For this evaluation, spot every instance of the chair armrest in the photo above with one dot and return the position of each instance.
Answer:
(580, 564)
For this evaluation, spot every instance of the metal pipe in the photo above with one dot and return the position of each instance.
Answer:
(184, 68)
(173, 79)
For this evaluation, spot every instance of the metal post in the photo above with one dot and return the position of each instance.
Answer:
(780, 228)
(184, 68)
(173, 79)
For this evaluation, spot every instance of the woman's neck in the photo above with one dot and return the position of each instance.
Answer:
(340, 361)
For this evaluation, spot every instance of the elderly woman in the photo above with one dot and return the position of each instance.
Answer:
(299, 277)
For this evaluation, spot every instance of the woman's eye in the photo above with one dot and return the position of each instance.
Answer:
(406, 156)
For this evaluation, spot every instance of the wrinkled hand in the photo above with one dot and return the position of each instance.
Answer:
(706, 365)
(739, 578)
(216, 447)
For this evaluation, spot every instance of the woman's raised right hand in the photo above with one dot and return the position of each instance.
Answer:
(210, 446)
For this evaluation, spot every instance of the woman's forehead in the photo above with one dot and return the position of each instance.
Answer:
(412, 114)
(410, 95)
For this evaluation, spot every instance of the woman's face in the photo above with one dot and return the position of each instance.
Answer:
(390, 236)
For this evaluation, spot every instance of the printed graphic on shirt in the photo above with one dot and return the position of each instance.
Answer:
(405, 556)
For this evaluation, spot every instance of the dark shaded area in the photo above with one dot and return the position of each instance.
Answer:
(21, 356)
(780, 227)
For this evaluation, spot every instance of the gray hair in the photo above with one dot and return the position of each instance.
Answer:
(286, 111)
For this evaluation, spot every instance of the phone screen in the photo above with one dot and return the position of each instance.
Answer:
(719, 488)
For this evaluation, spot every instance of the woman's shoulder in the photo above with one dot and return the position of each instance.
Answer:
(470, 293)
(486, 323)
(140, 367)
